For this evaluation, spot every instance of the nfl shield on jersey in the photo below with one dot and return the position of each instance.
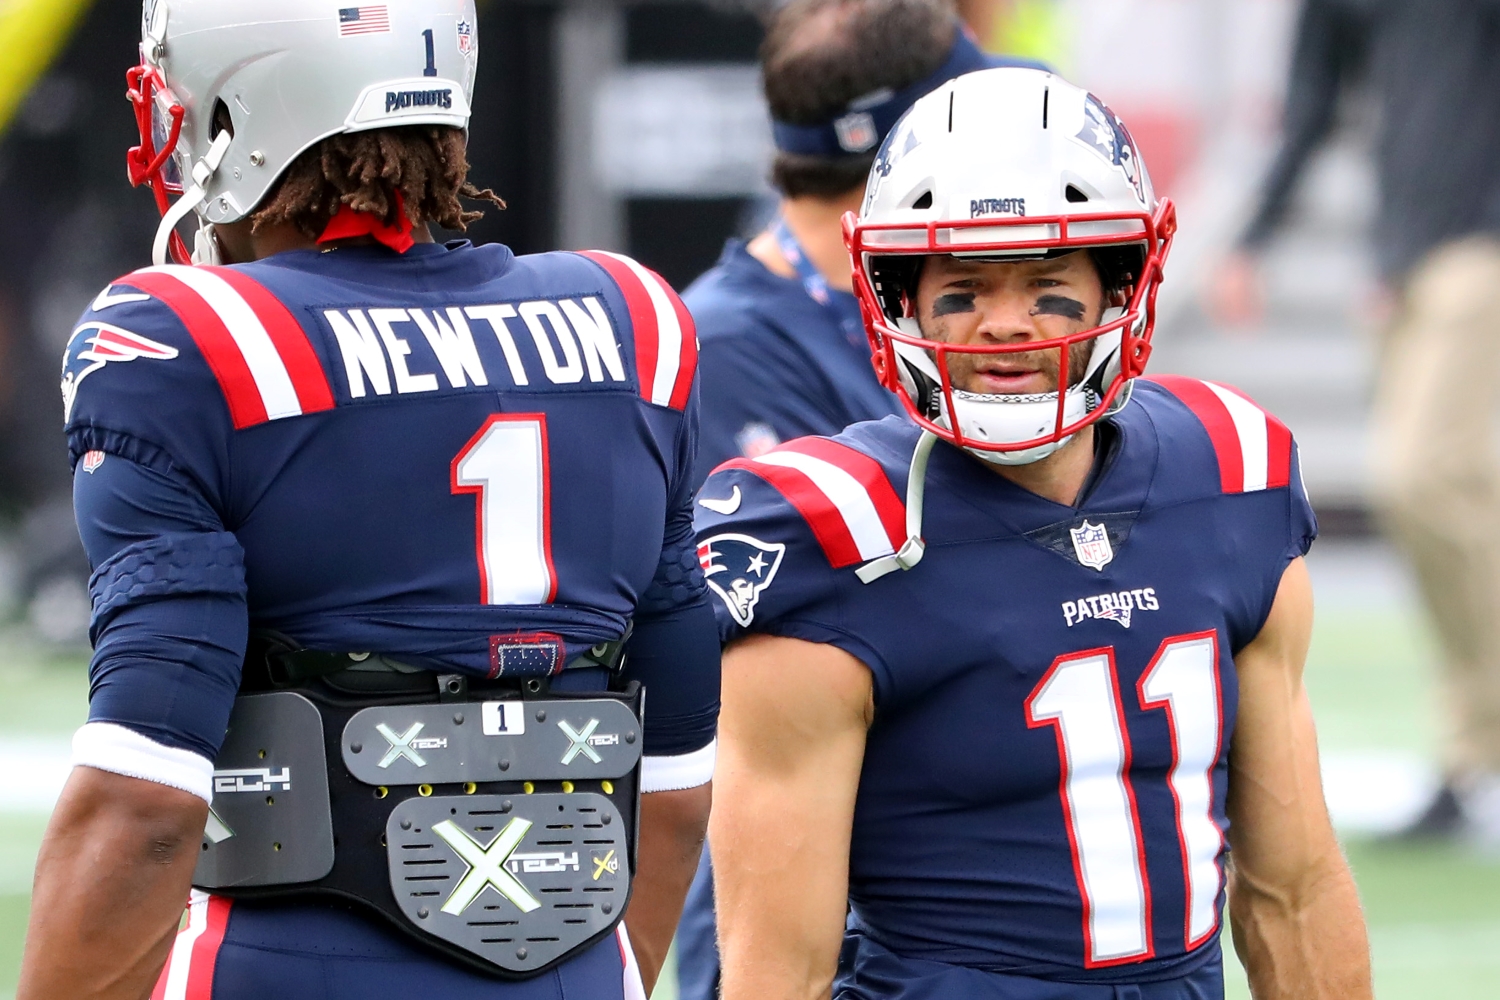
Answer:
(1043, 786)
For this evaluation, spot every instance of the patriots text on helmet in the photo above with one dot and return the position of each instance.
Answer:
(395, 100)
(979, 207)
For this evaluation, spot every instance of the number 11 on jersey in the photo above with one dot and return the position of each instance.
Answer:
(505, 464)
(1079, 697)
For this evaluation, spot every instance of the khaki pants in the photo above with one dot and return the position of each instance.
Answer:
(1437, 475)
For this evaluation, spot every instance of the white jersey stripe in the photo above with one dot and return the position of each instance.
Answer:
(181, 961)
(634, 988)
(1250, 427)
(668, 333)
(850, 498)
(261, 357)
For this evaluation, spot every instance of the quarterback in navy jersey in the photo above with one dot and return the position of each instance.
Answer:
(1008, 676)
(336, 468)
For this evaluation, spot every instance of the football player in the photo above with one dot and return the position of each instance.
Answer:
(388, 538)
(783, 349)
(1002, 671)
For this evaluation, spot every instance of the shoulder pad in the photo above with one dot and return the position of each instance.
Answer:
(1253, 448)
(262, 359)
(844, 495)
(666, 342)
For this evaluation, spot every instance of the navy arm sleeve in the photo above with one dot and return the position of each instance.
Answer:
(170, 619)
(674, 649)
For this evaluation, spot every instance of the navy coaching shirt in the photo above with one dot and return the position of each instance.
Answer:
(774, 365)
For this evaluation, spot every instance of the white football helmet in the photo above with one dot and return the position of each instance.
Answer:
(288, 73)
(1008, 164)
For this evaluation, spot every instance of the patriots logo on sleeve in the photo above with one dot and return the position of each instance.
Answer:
(739, 568)
(95, 345)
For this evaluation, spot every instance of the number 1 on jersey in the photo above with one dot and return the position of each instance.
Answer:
(505, 464)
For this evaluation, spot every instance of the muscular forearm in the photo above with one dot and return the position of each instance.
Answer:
(791, 749)
(780, 890)
(111, 879)
(672, 828)
(1306, 943)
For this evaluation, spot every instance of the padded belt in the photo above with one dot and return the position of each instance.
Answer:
(497, 828)
(287, 664)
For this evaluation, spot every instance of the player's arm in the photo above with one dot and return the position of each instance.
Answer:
(674, 653)
(791, 744)
(1295, 912)
(111, 878)
(169, 627)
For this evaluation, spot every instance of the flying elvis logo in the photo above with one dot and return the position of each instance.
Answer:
(739, 568)
(87, 354)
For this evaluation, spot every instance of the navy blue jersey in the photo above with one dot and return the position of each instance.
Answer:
(775, 364)
(467, 460)
(1043, 785)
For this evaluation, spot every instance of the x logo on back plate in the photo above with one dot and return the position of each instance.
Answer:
(580, 744)
(486, 865)
(400, 745)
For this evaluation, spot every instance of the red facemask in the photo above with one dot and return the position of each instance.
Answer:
(1063, 232)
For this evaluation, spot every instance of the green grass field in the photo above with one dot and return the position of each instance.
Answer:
(1434, 912)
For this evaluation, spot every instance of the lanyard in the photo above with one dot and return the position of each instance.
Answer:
(842, 307)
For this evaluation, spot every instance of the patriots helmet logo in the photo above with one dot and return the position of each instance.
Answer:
(739, 568)
(95, 345)
(1105, 134)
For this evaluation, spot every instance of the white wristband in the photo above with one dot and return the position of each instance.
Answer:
(688, 770)
(108, 747)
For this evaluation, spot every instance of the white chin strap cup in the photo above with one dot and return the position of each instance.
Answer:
(910, 553)
(192, 198)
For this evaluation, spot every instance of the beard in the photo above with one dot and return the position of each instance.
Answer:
(965, 371)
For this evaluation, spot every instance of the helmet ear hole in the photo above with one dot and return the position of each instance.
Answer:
(222, 122)
(923, 201)
(1074, 195)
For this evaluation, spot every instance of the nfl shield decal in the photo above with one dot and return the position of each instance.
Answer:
(739, 568)
(1091, 545)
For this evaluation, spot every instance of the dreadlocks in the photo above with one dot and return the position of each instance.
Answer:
(428, 165)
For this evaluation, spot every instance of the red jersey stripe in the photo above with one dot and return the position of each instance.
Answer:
(297, 353)
(1214, 416)
(241, 394)
(820, 513)
(642, 316)
(870, 475)
(687, 364)
(200, 983)
(1278, 444)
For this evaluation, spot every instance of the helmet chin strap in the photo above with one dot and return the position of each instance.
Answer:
(911, 552)
(192, 198)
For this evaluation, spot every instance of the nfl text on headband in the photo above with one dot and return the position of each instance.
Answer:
(867, 120)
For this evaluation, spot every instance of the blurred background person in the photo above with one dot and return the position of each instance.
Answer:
(1433, 69)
